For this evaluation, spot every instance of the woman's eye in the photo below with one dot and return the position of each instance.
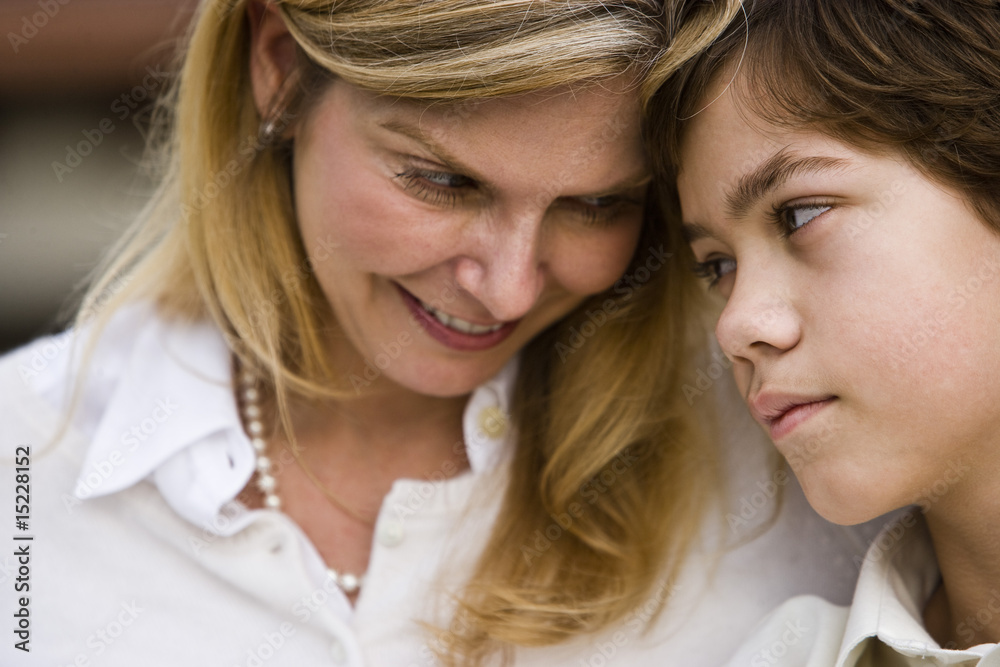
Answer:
(445, 179)
(606, 209)
(793, 218)
(436, 187)
(600, 202)
(715, 270)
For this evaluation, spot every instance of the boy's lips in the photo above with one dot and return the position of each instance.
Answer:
(781, 413)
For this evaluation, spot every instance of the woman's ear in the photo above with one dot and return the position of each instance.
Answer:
(272, 54)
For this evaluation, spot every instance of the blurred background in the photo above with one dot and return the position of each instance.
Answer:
(77, 82)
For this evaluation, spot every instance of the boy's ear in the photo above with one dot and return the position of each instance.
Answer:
(272, 53)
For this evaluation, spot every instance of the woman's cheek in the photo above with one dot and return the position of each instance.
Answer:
(366, 222)
(594, 262)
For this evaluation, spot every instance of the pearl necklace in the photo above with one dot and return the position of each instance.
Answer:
(266, 483)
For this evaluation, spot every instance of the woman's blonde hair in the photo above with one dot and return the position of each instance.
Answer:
(606, 439)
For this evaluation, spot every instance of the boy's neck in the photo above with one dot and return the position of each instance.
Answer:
(965, 527)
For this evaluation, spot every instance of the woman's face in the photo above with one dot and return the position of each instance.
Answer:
(862, 311)
(446, 237)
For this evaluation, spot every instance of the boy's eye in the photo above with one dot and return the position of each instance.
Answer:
(715, 270)
(793, 218)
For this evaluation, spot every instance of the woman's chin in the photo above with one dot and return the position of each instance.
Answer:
(432, 377)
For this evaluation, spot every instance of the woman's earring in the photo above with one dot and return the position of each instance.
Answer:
(278, 117)
(269, 131)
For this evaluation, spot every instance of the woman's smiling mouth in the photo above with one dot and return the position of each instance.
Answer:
(459, 324)
(455, 332)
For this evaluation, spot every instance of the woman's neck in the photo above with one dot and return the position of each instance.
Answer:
(387, 428)
(964, 523)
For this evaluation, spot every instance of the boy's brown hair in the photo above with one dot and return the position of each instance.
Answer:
(916, 77)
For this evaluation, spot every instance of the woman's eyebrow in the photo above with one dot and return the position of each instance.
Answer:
(624, 185)
(416, 133)
(771, 174)
(692, 231)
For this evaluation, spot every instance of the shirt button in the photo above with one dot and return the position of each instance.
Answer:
(493, 422)
(390, 533)
(337, 652)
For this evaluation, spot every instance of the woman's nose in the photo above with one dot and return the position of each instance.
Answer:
(503, 267)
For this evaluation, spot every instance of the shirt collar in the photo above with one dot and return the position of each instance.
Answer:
(898, 576)
(174, 391)
(172, 415)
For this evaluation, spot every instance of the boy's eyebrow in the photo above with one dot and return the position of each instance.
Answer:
(770, 175)
(765, 178)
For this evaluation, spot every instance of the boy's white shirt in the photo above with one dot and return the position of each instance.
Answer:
(898, 576)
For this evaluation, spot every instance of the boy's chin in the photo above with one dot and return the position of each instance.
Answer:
(845, 504)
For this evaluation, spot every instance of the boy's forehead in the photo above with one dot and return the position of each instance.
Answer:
(718, 131)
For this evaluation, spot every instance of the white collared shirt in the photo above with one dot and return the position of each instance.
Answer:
(142, 555)
(883, 627)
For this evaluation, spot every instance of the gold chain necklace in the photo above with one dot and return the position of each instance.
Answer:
(267, 484)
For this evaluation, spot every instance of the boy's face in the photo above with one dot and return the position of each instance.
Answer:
(862, 310)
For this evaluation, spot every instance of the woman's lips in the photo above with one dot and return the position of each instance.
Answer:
(454, 332)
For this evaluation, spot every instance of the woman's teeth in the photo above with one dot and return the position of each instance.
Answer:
(459, 324)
